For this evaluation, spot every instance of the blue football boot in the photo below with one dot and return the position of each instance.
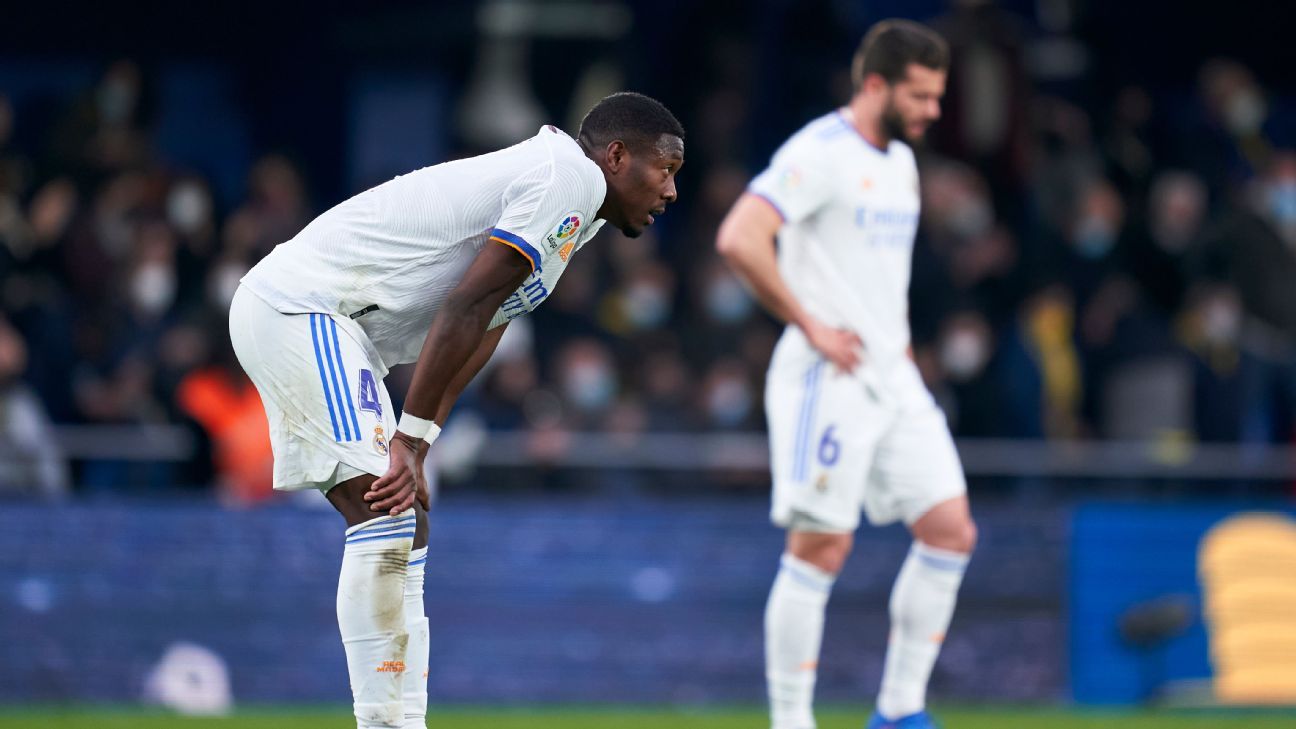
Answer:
(921, 720)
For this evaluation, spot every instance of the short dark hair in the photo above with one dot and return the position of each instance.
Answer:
(633, 118)
(891, 45)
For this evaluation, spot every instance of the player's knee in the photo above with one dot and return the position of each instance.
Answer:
(830, 561)
(420, 526)
(955, 535)
(827, 552)
(348, 498)
(967, 537)
(959, 536)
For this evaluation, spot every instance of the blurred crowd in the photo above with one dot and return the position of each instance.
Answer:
(1123, 269)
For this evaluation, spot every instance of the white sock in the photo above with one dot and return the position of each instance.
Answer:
(794, 620)
(922, 604)
(371, 615)
(414, 685)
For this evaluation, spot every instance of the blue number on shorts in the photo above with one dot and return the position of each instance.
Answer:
(369, 399)
(829, 449)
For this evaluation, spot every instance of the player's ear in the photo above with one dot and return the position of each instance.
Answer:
(618, 156)
(874, 82)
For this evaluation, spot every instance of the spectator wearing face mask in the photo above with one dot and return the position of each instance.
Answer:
(969, 388)
(1228, 381)
(728, 397)
(1162, 243)
(587, 381)
(665, 379)
(1254, 251)
(724, 299)
(1092, 236)
(188, 209)
(276, 209)
(719, 312)
(641, 303)
(30, 460)
(117, 343)
(962, 253)
(1230, 138)
(956, 212)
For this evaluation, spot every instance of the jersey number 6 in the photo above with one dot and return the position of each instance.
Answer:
(829, 448)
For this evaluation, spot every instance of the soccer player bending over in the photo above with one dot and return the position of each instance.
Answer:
(851, 424)
(427, 268)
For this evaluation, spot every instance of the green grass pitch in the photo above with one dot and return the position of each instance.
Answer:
(634, 718)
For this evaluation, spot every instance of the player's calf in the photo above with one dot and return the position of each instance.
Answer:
(414, 683)
(371, 608)
(922, 606)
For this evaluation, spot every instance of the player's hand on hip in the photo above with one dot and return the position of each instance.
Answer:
(395, 491)
(842, 347)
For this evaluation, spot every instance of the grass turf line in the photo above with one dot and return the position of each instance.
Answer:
(636, 718)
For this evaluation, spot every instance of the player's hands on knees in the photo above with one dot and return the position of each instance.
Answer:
(842, 347)
(395, 491)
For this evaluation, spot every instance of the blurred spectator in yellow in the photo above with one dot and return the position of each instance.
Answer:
(1041, 368)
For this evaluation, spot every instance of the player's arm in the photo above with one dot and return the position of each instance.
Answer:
(459, 328)
(490, 340)
(454, 343)
(747, 241)
(470, 369)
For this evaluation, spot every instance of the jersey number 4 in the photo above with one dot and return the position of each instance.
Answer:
(369, 399)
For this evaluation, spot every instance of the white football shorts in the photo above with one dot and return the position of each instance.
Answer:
(873, 440)
(322, 387)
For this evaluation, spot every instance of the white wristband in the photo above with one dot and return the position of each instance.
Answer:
(418, 427)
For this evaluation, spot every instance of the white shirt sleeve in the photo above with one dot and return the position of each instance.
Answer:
(544, 208)
(796, 182)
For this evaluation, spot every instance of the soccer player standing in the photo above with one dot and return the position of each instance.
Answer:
(851, 424)
(427, 268)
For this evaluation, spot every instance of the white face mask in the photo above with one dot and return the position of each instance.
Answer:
(727, 301)
(116, 99)
(188, 208)
(1281, 201)
(972, 217)
(1245, 112)
(647, 305)
(1094, 237)
(963, 354)
(589, 386)
(153, 288)
(1221, 322)
(728, 402)
(223, 282)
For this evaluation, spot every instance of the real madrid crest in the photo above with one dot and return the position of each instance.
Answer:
(380, 441)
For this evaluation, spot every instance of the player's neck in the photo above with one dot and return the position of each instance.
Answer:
(869, 126)
(603, 210)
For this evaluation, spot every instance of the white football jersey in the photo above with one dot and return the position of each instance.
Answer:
(850, 213)
(389, 256)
